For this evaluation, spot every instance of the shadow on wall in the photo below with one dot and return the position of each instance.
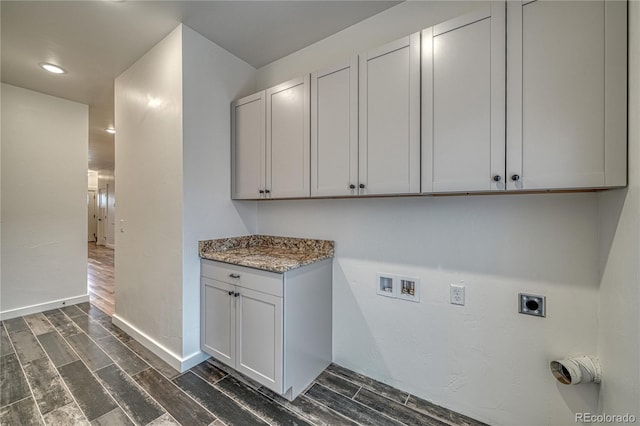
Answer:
(540, 237)
(611, 203)
(247, 214)
(360, 333)
(579, 400)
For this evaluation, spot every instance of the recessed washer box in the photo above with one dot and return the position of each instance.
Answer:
(398, 286)
(409, 288)
(385, 285)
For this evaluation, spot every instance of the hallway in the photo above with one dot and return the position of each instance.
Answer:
(101, 277)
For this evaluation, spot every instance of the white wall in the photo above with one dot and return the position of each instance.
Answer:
(173, 168)
(619, 331)
(484, 359)
(148, 158)
(212, 78)
(44, 201)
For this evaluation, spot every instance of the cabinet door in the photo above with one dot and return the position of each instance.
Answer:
(334, 130)
(389, 110)
(567, 94)
(463, 103)
(288, 143)
(248, 146)
(218, 328)
(259, 338)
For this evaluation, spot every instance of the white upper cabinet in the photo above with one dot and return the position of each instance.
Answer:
(389, 124)
(270, 142)
(567, 86)
(463, 103)
(248, 146)
(334, 130)
(517, 95)
(287, 142)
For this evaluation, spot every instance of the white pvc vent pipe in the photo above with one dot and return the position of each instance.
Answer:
(582, 369)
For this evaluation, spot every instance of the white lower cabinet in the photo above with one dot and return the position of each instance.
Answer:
(274, 328)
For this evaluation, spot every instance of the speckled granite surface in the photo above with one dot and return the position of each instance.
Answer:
(266, 252)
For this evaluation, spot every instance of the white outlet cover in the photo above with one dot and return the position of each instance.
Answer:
(457, 294)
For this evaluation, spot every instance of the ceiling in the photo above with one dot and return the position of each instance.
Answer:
(95, 41)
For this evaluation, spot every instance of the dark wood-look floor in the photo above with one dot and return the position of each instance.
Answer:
(72, 366)
(101, 277)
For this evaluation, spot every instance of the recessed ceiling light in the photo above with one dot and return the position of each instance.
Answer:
(52, 68)
(111, 130)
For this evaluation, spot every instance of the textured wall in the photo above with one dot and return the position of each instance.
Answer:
(619, 331)
(44, 200)
(148, 258)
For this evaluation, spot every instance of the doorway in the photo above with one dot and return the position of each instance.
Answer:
(102, 217)
(101, 268)
(92, 219)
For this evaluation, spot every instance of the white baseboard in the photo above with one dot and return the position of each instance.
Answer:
(168, 356)
(194, 359)
(41, 307)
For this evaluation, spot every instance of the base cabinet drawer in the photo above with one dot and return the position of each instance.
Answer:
(246, 330)
(262, 281)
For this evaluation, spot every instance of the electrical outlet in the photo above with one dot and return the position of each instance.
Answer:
(457, 294)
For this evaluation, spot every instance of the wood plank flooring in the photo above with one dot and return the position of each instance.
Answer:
(72, 366)
(101, 277)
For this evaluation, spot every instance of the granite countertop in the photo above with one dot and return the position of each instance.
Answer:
(269, 253)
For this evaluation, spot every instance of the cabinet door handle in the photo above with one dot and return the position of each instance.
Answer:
(352, 186)
(362, 186)
(266, 191)
(230, 293)
(236, 294)
(497, 178)
(260, 191)
(515, 178)
(234, 275)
